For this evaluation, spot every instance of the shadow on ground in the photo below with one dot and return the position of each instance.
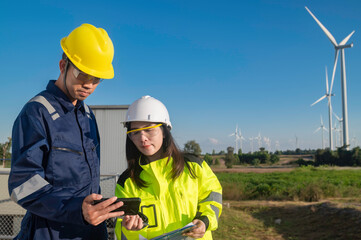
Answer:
(321, 221)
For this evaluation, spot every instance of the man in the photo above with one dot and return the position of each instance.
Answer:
(55, 171)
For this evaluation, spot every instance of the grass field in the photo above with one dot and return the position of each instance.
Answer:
(305, 183)
(330, 207)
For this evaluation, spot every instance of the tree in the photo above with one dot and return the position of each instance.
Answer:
(192, 147)
(274, 158)
(208, 159)
(230, 159)
(239, 151)
(5, 150)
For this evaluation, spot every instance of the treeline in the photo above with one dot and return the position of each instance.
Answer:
(259, 157)
(296, 152)
(340, 157)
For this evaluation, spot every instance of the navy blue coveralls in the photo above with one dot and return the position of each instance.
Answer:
(54, 166)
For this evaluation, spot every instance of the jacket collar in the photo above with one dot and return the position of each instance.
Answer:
(62, 98)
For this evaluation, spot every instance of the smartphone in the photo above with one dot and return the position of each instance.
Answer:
(130, 207)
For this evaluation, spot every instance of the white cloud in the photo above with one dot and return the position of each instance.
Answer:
(213, 141)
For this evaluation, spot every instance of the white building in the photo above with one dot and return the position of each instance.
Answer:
(112, 137)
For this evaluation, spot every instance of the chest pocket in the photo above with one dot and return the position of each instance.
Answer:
(151, 212)
(68, 164)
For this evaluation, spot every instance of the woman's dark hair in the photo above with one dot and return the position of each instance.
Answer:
(170, 149)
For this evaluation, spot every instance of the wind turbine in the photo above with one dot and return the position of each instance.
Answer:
(354, 142)
(277, 145)
(339, 47)
(238, 137)
(251, 142)
(258, 138)
(322, 127)
(340, 121)
(328, 95)
(335, 139)
(267, 141)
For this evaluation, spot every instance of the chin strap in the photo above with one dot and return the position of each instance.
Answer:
(65, 73)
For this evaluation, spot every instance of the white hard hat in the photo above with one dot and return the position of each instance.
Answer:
(148, 109)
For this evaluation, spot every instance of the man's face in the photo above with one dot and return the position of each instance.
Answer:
(79, 84)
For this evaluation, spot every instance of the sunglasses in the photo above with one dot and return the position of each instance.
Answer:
(85, 77)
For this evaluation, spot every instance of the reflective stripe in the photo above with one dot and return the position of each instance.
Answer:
(47, 105)
(28, 187)
(215, 210)
(215, 197)
(87, 111)
(55, 116)
(86, 108)
(141, 237)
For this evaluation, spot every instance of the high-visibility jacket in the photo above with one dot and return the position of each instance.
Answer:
(55, 165)
(171, 204)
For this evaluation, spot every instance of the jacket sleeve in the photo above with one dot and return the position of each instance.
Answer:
(209, 196)
(27, 182)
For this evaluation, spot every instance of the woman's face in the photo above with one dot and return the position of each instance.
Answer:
(148, 141)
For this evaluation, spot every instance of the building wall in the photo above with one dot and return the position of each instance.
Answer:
(112, 137)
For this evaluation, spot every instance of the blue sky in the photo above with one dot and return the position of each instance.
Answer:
(214, 64)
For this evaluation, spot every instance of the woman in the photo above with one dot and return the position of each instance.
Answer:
(175, 188)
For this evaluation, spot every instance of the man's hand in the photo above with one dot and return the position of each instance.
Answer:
(96, 214)
(198, 230)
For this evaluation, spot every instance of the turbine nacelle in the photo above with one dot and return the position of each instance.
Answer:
(344, 46)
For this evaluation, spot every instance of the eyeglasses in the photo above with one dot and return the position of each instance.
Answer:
(151, 131)
(84, 77)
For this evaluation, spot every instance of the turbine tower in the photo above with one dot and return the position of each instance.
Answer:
(339, 47)
(340, 120)
(322, 127)
(328, 95)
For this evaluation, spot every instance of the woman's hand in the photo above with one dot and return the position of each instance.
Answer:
(198, 230)
(132, 222)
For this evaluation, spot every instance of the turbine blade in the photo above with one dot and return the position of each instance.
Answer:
(321, 98)
(343, 42)
(334, 70)
(328, 34)
(339, 119)
(318, 129)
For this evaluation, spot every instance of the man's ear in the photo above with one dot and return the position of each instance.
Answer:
(62, 64)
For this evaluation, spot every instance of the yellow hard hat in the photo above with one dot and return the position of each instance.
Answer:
(91, 50)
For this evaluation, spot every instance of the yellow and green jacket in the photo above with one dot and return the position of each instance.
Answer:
(171, 204)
